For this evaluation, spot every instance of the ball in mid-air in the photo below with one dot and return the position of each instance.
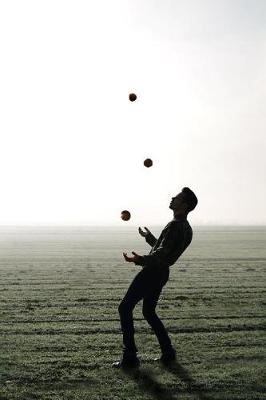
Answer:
(148, 162)
(132, 97)
(125, 215)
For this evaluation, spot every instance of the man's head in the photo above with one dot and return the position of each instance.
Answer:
(184, 202)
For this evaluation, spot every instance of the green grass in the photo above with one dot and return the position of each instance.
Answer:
(60, 329)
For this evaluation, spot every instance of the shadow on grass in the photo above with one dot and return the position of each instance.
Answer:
(178, 370)
(145, 379)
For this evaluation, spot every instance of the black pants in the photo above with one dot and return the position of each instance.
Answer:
(146, 285)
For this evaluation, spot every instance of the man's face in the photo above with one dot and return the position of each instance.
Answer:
(177, 202)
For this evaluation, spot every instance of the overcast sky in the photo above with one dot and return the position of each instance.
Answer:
(72, 146)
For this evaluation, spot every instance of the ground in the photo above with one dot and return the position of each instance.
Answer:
(60, 328)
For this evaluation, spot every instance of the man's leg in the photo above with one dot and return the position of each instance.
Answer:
(149, 305)
(134, 294)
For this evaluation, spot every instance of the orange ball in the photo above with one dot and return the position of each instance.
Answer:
(148, 162)
(132, 97)
(125, 215)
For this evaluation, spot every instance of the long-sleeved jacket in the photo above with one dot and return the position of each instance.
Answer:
(172, 242)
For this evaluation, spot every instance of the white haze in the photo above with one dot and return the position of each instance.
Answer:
(72, 145)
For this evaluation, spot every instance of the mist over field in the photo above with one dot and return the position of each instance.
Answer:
(73, 145)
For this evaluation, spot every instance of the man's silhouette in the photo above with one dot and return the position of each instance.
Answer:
(148, 283)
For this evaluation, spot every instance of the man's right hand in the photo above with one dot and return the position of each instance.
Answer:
(142, 233)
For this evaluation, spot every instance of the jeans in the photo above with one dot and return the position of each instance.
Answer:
(146, 285)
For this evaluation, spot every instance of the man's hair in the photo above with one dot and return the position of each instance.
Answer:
(189, 198)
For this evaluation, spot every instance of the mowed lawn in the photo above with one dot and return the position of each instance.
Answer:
(60, 329)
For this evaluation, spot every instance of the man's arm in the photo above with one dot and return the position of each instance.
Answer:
(173, 237)
(149, 237)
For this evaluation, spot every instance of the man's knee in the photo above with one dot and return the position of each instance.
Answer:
(124, 307)
(148, 311)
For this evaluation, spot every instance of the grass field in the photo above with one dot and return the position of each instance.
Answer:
(59, 293)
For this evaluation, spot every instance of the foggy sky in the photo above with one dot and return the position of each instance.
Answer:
(72, 145)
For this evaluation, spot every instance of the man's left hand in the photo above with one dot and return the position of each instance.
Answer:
(131, 259)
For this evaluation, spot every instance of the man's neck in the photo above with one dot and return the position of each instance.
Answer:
(180, 216)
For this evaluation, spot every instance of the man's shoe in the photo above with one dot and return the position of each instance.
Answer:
(127, 363)
(167, 357)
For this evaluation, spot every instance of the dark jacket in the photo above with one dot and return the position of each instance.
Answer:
(172, 242)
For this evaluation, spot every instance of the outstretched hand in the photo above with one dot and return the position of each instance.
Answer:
(131, 259)
(142, 233)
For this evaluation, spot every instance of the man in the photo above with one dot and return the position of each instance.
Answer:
(148, 283)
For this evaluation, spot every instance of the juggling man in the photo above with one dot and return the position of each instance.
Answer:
(148, 283)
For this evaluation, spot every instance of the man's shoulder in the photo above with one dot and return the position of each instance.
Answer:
(187, 225)
(182, 225)
(175, 226)
(171, 224)
(179, 222)
(178, 225)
